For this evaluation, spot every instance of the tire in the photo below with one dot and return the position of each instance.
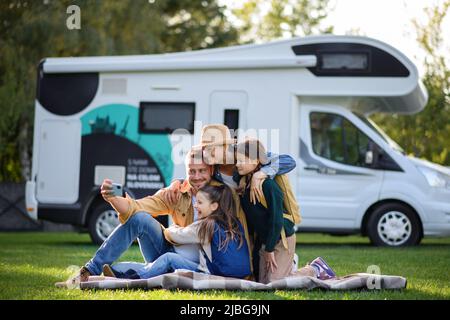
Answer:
(102, 222)
(394, 225)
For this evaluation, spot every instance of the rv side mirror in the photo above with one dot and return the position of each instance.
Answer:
(369, 157)
(372, 155)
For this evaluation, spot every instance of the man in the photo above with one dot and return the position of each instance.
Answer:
(137, 218)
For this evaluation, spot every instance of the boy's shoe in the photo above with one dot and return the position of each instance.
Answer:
(74, 282)
(323, 270)
(108, 271)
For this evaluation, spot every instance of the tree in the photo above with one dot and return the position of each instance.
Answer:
(33, 30)
(196, 25)
(270, 19)
(427, 134)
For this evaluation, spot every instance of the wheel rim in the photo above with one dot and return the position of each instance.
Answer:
(394, 228)
(107, 221)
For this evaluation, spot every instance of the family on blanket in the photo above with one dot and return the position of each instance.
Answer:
(229, 219)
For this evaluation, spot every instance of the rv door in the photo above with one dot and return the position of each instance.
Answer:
(59, 161)
(335, 178)
(229, 108)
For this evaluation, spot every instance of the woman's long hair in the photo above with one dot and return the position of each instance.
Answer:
(225, 216)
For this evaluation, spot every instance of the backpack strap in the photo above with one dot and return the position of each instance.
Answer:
(204, 254)
(284, 239)
(289, 217)
(289, 201)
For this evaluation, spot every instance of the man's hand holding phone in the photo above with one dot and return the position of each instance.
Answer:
(113, 193)
(110, 190)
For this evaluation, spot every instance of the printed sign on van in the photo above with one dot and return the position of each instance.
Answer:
(140, 175)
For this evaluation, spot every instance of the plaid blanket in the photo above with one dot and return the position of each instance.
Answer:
(188, 280)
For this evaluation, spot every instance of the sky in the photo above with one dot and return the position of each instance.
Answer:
(385, 20)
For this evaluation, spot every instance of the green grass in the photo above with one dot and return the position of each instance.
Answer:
(30, 264)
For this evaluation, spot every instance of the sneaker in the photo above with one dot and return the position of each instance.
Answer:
(74, 282)
(323, 270)
(108, 271)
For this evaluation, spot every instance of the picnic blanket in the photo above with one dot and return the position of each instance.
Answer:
(189, 280)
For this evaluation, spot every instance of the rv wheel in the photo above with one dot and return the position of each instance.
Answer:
(102, 222)
(394, 225)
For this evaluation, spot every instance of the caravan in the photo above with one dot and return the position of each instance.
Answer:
(114, 117)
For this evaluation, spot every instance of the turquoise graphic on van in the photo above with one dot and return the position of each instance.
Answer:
(123, 120)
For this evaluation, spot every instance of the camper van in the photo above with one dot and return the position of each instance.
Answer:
(116, 117)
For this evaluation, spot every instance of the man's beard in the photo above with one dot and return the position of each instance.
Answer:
(198, 185)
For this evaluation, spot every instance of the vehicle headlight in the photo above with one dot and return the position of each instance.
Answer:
(435, 178)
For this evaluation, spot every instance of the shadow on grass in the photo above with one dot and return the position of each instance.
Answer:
(334, 244)
(75, 244)
(321, 245)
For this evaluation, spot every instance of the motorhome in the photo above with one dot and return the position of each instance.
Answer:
(115, 117)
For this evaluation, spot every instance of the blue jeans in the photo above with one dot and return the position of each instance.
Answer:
(166, 263)
(141, 226)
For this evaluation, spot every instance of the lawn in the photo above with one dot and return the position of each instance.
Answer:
(30, 264)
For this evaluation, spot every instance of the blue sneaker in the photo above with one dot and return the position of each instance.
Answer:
(323, 270)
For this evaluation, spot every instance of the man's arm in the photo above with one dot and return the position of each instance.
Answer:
(126, 206)
(278, 165)
(120, 204)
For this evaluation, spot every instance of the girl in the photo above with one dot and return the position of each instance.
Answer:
(268, 223)
(218, 232)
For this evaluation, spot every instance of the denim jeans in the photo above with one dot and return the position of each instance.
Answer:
(141, 226)
(166, 263)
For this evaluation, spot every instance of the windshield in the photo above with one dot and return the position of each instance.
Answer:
(380, 132)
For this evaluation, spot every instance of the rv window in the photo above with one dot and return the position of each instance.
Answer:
(335, 138)
(166, 117)
(231, 119)
(346, 61)
(380, 132)
(350, 59)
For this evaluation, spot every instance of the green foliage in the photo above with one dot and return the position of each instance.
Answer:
(33, 30)
(427, 134)
(271, 19)
(15, 107)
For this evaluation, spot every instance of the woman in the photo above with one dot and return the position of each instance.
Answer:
(268, 223)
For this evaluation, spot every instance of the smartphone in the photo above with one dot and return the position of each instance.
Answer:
(117, 189)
